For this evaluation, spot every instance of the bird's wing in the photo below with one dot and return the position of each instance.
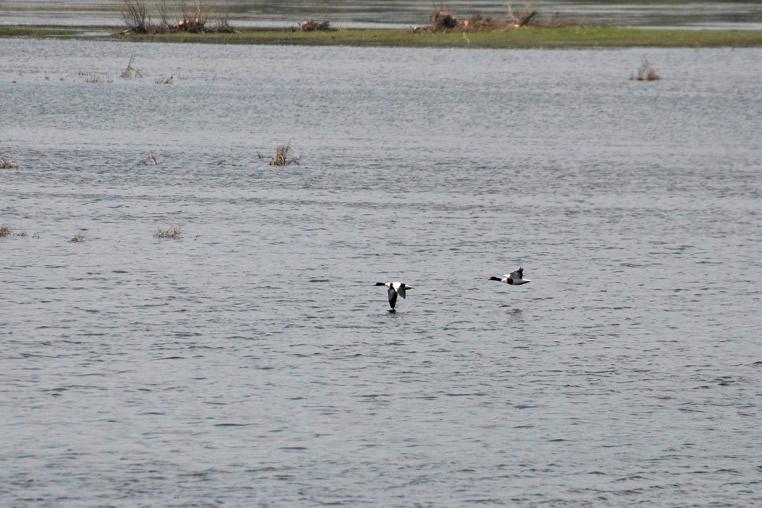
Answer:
(401, 290)
(392, 296)
(518, 274)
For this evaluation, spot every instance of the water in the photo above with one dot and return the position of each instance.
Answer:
(349, 13)
(253, 362)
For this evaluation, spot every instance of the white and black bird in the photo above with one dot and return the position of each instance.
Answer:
(514, 278)
(395, 288)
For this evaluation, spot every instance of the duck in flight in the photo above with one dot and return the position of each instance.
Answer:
(514, 278)
(395, 288)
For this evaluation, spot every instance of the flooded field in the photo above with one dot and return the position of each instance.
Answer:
(688, 14)
(252, 362)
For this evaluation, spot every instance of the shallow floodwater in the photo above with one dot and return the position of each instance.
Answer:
(253, 362)
(688, 13)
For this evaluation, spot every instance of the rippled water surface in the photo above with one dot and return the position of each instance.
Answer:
(253, 362)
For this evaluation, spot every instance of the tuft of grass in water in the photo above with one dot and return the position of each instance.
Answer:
(282, 157)
(5, 230)
(646, 72)
(172, 232)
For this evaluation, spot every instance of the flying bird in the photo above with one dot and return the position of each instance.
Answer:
(514, 278)
(395, 288)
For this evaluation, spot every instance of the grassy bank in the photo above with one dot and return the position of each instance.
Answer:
(575, 37)
(39, 31)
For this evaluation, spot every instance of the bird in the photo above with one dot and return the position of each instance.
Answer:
(395, 288)
(514, 278)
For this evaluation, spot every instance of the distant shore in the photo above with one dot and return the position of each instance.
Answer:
(568, 37)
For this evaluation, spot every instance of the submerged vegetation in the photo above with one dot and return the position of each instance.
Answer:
(172, 232)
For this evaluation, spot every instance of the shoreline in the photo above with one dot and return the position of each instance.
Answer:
(522, 38)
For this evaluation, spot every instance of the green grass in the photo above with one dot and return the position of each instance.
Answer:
(38, 31)
(522, 38)
(575, 37)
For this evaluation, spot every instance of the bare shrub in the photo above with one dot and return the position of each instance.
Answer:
(222, 25)
(521, 17)
(135, 16)
(646, 72)
(443, 20)
(172, 233)
(193, 17)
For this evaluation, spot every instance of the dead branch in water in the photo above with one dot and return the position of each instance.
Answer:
(131, 72)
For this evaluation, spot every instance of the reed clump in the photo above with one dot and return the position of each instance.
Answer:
(283, 156)
(172, 233)
(190, 17)
(646, 72)
(8, 164)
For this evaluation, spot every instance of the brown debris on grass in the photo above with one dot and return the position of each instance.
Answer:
(8, 164)
(525, 16)
(193, 18)
(646, 72)
(443, 20)
(310, 25)
(172, 233)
